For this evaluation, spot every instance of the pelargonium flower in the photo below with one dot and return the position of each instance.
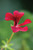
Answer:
(16, 16)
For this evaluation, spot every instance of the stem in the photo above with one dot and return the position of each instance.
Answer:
(11, 37)
(1, 48)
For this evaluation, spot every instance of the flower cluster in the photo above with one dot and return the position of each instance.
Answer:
(16, 16)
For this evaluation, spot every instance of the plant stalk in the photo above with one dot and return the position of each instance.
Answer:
(11, 37)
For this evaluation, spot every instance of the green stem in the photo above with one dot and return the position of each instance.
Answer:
(11, 37)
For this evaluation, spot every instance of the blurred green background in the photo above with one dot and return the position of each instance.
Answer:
(21, 40)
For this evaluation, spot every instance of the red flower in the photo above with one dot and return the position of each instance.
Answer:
(16, 17)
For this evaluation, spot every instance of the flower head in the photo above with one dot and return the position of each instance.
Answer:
(16, 16)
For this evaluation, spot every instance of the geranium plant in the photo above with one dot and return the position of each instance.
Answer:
(16, 16)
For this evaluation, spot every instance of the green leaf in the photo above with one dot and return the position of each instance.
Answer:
(11, 44)
(3, 42)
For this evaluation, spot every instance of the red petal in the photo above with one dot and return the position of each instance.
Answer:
(9, 16)
(16, 29)
(18, 15)
(27, 21)
(24, 28)
(15, 13)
